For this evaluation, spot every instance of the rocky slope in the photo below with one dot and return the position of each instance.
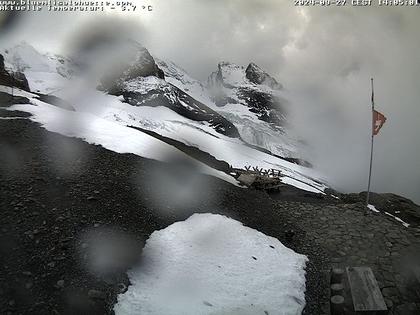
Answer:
(12, 79)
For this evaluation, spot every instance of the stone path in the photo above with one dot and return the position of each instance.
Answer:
(353, 239)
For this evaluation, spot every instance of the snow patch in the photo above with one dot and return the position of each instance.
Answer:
(405, 224)
(398, 219)
(211, 264)
(372, 207)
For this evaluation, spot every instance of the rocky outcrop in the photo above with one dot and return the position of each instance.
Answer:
(256, 75)
(1, 63)
(139, 63)
(394, 204)
(161, 93)
(15, 79)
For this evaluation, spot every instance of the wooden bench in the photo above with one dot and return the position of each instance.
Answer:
(365, 292)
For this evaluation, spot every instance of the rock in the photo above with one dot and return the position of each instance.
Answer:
(388, 292)
(91, 198)
(122, 288)
(289, 234)
(60, 284)
(1, 63)
(16, 79)
(96, 295)
(407, 309)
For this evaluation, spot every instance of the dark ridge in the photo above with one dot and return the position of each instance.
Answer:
(288, 159)
(14, 79)
(7, 100)
(194, 152)
(56, 101)
(197, 111)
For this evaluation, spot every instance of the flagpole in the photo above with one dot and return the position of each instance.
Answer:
(371, 146)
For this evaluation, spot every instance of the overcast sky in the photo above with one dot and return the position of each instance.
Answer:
(324, 57)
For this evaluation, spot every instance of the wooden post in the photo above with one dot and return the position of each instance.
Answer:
(337, 305)
(371, 150)
(337, 289)
(337, 275)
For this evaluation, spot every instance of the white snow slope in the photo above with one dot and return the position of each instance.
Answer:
(211, 264)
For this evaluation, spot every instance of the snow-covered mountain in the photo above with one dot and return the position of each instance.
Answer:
(252, 129)
(249, 86)
(153, 108)
(46, 73)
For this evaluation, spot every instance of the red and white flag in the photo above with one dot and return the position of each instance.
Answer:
(378, 121)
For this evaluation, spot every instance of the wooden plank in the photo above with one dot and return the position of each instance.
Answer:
(367, 296)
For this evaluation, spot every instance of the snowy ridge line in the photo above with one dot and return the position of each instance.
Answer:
(193, 151)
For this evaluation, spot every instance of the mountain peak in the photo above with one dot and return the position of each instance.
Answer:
(232, 75)
(258, 76)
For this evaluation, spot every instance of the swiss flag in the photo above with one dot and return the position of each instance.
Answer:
(378, 121)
